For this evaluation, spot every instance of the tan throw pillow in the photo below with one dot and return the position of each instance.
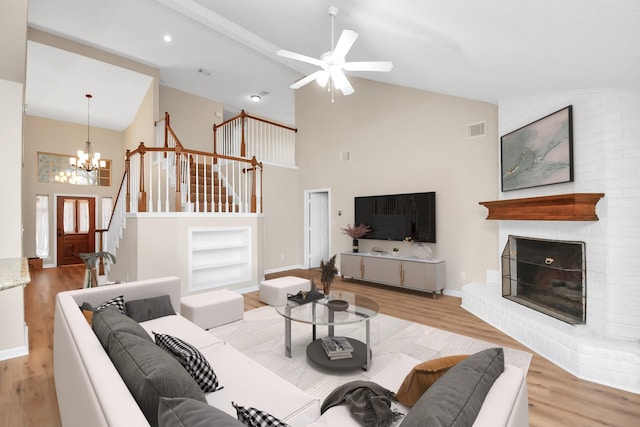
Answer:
(422, 376)
(88, 314)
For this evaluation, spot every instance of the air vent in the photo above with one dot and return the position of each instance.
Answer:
(476, 130)
(345, 156)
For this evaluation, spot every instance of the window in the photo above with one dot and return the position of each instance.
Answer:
(56, 168)
(42, 226)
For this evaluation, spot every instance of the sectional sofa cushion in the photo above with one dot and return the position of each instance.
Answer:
(150, 373)
(145, 309)
(111, 319)
(184, 412)
(423, 376)
(191, 359)
(456, 398)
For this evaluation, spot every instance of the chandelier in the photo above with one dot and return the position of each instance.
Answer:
(88, 160)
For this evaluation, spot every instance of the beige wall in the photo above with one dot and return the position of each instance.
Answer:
(141, 128)
(52, 136)
(13, 45)
(403, 140)
(282, 220)
(192, 117)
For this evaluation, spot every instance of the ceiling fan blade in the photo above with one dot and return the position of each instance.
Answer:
(346, 40)
(368, 66)
(303, 81)
(341, 82)
(299, 57)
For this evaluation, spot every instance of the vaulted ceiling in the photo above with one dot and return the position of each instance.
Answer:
(226, 50)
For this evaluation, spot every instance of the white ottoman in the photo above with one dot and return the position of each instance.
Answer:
(211, 309)
(274, 291)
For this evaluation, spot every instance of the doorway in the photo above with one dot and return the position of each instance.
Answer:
(317, 229)
(75, 228)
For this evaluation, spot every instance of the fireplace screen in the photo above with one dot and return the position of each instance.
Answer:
(546, 275)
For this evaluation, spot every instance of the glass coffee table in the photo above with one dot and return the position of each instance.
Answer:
(341, 308)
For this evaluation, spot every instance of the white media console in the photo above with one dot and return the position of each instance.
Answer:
(412, 273)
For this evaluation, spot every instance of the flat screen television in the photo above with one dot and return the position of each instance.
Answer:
(398, 216)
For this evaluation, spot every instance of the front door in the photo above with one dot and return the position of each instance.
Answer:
(75, 228)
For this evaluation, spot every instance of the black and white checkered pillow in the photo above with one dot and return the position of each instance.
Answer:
(192, 360)
(253, 417)
(117, 302)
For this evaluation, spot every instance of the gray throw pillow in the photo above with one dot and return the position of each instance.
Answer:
(456, 398)
(183, 412)
(111, 319)
(150, 373)
(145, 309)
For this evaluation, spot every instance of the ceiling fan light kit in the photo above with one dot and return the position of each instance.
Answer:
(333, 64)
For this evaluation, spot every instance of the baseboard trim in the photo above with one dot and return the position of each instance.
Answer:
(289, 267)
(20, 351)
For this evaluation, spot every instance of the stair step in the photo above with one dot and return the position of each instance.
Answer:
(216, 190)
(216, 198)
(218, 208)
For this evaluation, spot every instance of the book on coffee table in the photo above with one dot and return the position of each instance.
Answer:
(337, 347)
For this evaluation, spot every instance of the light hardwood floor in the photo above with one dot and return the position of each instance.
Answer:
(556, 398)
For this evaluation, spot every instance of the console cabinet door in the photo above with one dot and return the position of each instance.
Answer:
(424, 276)
(383, 270)
(351, 266)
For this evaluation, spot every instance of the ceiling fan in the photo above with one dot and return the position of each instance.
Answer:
(333, 63)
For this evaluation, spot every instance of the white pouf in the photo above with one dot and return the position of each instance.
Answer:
(211, 309)
(274, 291)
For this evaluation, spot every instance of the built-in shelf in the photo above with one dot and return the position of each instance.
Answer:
(562, 207)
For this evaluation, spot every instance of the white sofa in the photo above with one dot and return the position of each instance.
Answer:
(91, 392)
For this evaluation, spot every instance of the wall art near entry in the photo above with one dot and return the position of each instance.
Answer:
(540, 153)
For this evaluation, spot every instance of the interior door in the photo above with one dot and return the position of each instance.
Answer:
(76, 228)
(318, 220)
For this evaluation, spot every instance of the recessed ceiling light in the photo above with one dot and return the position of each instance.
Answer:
(255, 98)
(167, 38)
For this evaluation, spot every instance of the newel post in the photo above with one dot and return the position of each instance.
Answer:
(243, 145)
(215, 144)
(178, 201)
(254, 167)
(167, 125)
(142, 195)
(127, 172)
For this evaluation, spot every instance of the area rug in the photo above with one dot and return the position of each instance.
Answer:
(260, 335)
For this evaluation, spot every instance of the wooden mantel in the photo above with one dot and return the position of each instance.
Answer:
(562, 207)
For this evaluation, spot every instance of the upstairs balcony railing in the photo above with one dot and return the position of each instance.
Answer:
(249, 136)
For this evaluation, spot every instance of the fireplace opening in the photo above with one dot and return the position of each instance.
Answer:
(546, 275)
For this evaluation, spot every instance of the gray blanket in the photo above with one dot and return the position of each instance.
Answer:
(369, 403)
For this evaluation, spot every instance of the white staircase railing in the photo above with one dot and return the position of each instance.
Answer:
(249, 136)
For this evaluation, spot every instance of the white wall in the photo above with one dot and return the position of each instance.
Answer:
(606, 141)
(404, 140)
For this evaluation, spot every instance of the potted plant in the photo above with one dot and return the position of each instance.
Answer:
(328, 274)
(355, 233)
(396, 252)
(91, 261)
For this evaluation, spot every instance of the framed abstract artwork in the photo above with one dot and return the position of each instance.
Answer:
(540, 153)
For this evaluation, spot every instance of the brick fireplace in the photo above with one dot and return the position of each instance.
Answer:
(606, 347)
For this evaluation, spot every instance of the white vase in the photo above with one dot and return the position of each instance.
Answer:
(421, 251)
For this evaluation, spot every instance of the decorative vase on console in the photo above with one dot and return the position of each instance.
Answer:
(421, 250)
(355, 233)
(328, 273)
